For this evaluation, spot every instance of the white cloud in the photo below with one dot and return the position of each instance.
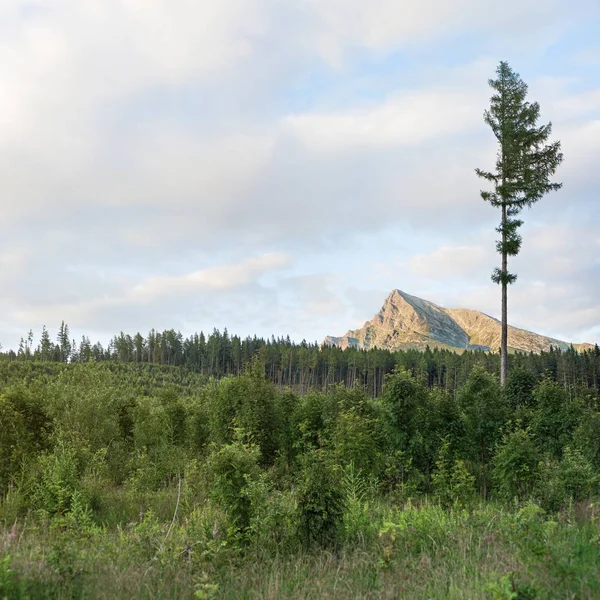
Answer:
(405, 119)
(467, 261)
(387, 24)
(154, 293)
(224, 277)
(140, 139)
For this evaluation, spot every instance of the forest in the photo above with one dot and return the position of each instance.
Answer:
(133, 479)
(305, 366)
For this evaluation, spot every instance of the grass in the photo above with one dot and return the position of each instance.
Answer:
(485, 551)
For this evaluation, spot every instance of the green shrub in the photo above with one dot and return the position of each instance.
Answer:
(453, 483)
(7, 578)
(313, 422)
(12, 433)
(586, 437)
(230, 469)
(402, 398)
(554, 419)
(485, 411)
(59, 479)
(400, 477)
(519, 387)
(357, 522)
(272, 526)
(356, 441)
(320, 499)
(515, 465)
(247, 402)
(573, 478)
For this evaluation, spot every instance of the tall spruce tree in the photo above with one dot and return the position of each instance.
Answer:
(46, 346)
(64, 344)
(524, 165)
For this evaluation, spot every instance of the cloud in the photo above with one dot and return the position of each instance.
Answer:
(386, 24)
(466, 261)
(225, 277)
(156, 293)
(147, 149)
(557, 287)
(403, 120)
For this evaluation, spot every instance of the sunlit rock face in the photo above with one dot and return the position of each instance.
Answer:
(406, 321)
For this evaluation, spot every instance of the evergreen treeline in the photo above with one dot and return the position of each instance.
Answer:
(307, 366)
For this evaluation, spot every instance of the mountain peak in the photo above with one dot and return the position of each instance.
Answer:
(407, 321)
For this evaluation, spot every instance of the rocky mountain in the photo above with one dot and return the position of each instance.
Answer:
(406, 321)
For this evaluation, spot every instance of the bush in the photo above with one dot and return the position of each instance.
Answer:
(321, 501)
(357, 521)
(247, 402)
(313, 422)
(453, 484)
(519, 388)
(554, 418)
(273, 516)
(230, 470)
(12, 432)
(573, 478)
(586, 437)
(515, 465)
(485, 411)
(402, 399)
(356, 441)
(59, 480)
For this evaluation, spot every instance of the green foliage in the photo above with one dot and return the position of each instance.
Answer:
(6, 577)
(453, 484)
(508, 588)
(555, 418)
(357, 520)
(59, 479)
(515, 465)
(571, 479)
(401, 478)
(167, 498)
(247, 402)
(198, 424)
(273, 522)
(313, 421)
(357, 439)
(484, 411)
(231, 468)
(320, 499)
(402, 398)
(12, 433)
(519, 387)
(586, 437)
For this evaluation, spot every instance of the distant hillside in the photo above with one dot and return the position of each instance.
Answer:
(406, 321)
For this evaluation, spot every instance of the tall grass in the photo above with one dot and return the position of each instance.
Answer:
(426, 551)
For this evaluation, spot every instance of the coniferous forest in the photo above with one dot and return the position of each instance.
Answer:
(306, 366)
(226, 468)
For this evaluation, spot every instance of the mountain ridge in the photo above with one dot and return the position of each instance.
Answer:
(406, 321)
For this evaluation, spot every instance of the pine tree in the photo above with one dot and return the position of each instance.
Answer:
(524, 166)
(64, 344)
(46, 346)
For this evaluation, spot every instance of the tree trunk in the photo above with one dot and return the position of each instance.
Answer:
(504, 339)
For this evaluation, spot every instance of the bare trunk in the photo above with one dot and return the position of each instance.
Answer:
(504, 340)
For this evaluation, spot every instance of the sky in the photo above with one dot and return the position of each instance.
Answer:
(277, 168)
